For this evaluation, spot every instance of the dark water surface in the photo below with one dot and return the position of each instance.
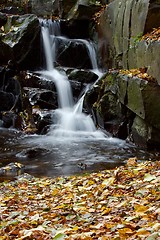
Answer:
(46, 156)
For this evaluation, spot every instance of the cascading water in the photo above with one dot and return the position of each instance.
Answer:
(54, 154)
(69, 121)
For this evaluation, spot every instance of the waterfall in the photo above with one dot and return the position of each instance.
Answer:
(68, 120)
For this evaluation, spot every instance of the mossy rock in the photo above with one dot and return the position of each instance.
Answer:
(108, 107)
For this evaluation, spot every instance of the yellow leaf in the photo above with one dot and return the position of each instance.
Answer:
(108, 182)
(142, 232)
(125, 231)
(140, 208)
(75, 228)
(109, 225)
(55, 191)
(59, 207)
(106, 211)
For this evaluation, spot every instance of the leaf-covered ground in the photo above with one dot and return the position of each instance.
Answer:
(123, 203)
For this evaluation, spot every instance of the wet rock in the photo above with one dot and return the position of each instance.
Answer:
(73, 54)
(45, 99)
(20, 35)
(39, 82)
(77, 88)
(10, 99)
(43, 120)
(11, 119)
(79, 28)
(32, 80)
(83, 76)
(12, 168)
(7, 101)
(79, 18)
(3, 19)
(24, 176)
(10, 89)
(102, 98)
(29, 125)
(32, 153)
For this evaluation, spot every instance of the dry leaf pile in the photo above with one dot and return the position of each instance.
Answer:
(152, 36)
(123, 203)
(139, 72)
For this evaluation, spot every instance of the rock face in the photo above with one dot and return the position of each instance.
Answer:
(127, 107)
(19, 39)
(65, 9)
(121, 27)
(44, 8)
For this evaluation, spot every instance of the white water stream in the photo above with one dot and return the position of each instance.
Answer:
(73, 144)
(69, 121)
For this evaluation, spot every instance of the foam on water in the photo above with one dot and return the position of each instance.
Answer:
(68, 120)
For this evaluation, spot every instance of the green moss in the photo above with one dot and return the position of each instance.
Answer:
(136, 39)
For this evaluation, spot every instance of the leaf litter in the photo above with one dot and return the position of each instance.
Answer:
(122, 203)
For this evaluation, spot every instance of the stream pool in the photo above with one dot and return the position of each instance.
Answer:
(48, 156)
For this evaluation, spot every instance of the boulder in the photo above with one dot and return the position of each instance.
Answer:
(127, 107)
(10, 91)
(14, 168)
(18, 39)
(45, 99)
(145, 135)
(33, 80)
(73, 54)
(43, 120)
(33, 153)
(141, 97)
(82, 76)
